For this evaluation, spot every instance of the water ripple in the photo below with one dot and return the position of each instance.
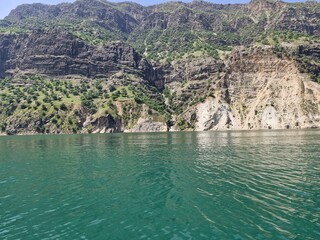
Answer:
(221, 185)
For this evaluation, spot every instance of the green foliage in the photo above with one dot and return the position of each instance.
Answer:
(151, 97)
(277, 37)
(166, 92)
(55, 105)
(63, 107)
(176, 43)
(310, 64)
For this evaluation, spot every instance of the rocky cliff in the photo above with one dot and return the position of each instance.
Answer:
(258, 90)
(96, 66)
(59, 53)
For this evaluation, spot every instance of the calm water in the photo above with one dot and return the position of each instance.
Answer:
(210, 185)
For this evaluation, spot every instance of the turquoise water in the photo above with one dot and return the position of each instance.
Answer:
(207, 185)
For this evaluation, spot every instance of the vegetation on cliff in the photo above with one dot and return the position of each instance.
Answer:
(97, 66)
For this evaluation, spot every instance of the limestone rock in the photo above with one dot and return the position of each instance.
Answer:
(148, 125)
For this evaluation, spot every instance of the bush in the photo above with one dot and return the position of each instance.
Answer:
(112, 88)
(63, 107)
(44, 108)
(23, 106)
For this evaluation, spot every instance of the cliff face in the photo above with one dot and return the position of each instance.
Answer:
(258, 90)
(270, 92)
(96, 66)
(57, 53)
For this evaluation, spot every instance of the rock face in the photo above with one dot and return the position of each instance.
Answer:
(148, 125)
(57, 53)
(293, 19)
(272, 91)
(192, 69)
(260, 91)
(105, 124)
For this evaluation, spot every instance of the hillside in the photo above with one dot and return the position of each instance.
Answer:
(96, 66)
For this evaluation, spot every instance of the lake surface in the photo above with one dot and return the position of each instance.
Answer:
(205, 185)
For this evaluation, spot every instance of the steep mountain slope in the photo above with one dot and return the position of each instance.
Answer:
(97, 66)
(57, 53)
(259, 90)
(58, 83)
